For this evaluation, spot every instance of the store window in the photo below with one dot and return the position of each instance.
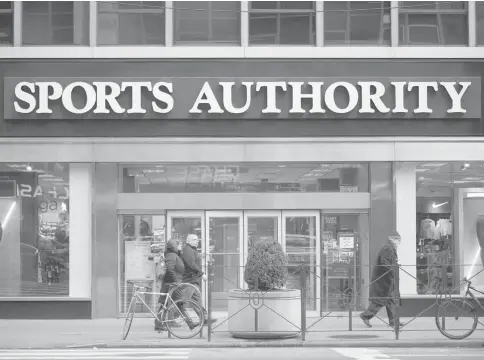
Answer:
(433, 23)
(34, 222)
(248, 178)
(6, 22)
(450, 225)
(207, 22)
(345, 271)
(131, 23)
(55, 22)
(141, 242)
(282, 23)
(357, 23)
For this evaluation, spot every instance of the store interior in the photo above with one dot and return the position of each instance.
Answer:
(448, 222)
(34, 212)
(254, 177)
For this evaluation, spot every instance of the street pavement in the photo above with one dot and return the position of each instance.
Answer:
(248, 354)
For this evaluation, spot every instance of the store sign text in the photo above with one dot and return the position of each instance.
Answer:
(25, 190)
(365, 97)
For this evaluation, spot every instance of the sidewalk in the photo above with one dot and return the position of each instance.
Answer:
(329, 332)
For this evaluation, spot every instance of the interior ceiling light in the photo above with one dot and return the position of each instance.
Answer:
(475, 195)
(29, 168)
(465, 166)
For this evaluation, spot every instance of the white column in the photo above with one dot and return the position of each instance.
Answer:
(244, 23)
(17, 23)
(319, 23)
(471, 18)
(92, 23)
(406, 208)
(169, 23)
(80, 230)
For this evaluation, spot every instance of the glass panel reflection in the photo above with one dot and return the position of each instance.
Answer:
(344, 237)
(141, 239)
(245, 178)
(224, 243)
(261, 229)
(301, 246)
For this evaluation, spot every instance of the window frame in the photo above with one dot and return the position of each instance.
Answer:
(438, 12)
(138, 11)
(348, 41)
(209, 11)
(278, 11)
(50, 14)
(11, 12)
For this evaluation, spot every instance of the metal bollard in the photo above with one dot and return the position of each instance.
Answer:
(396, 300)
(350, 302)
(303, 300)
(209, 302)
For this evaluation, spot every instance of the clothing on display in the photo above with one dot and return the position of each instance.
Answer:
(434, 251)
(429, 229)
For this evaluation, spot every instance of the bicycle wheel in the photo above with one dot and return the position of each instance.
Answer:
(184, 319)
(453, 311)
(129, 317)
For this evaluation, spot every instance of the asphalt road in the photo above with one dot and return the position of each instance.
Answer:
(249, 354)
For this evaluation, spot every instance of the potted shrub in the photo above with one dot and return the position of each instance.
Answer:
(267, 310)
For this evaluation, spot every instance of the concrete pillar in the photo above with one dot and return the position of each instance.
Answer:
(406, 224)
(80, 230)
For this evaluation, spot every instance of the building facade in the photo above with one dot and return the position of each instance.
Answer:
(295, 122)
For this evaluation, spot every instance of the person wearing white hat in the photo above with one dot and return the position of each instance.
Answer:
(193, 268)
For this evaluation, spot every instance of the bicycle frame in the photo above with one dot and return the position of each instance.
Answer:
(138, 294)
(168, 299)
(469, 292)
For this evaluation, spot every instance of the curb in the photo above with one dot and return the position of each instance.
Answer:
(312, 344)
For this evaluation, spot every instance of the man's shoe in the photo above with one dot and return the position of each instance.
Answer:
(365, 320)
(206, 321)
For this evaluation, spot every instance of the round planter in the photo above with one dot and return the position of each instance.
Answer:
(270, 315)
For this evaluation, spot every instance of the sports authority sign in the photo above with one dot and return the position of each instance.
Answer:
(185, 98)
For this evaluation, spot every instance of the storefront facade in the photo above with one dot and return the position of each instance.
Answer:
(235, 152)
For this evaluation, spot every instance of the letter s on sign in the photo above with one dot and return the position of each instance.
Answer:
(20, 94)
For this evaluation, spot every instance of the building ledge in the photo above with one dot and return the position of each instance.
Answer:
(252, 52)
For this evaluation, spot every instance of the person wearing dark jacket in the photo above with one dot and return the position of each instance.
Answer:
(383, 289)
(174, 273)
(193, 269)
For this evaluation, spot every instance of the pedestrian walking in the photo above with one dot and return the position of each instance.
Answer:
(383, 288)
(193, 269)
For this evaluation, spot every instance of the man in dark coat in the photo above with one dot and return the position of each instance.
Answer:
(173, 276)
(193, 269)
(382, 289)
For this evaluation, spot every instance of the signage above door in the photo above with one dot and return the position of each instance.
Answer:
(186, 98)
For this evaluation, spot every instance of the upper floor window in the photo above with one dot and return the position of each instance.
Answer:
(131, 23)
(480, 22)
(282, 23)
(6, 22)
(55, 22)
(357, 22)
(214, 22)
(433, 23)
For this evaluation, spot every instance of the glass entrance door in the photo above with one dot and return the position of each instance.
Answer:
(224, 231)
(300, 241)
(260, 226)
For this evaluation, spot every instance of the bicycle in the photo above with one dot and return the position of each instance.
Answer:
(459, 303)
(172, 311)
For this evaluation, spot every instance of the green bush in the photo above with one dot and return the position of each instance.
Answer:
(266, 267)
